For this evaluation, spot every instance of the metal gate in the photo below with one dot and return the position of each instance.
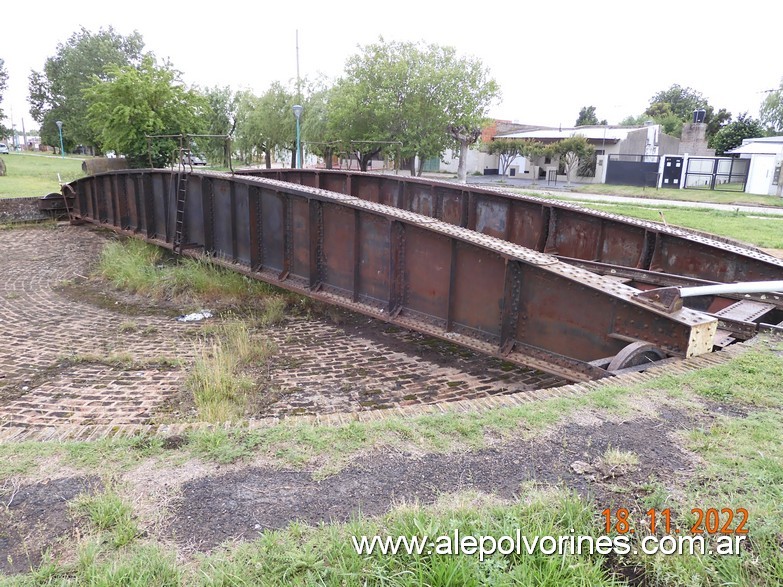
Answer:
(717, 173)
(672, 172)
(639, 170)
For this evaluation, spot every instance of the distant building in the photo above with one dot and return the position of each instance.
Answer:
(765, 174)
(641, 141)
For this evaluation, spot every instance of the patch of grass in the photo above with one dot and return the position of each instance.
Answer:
(127, 327)
(131, 265)
(108, 513)
(742, 468)
(616, 458)
(30, 175)
(219, 386)
(22, 457)
(122, 360)
(135, 565)
(274, 310)
(302, 555)
(49, 223)
(756, 229)
(690, 195)
(754, 379)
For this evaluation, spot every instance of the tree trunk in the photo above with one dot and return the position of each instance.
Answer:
(328, 158)
(293, 157)
(421, 166)
(268, 158)
(462, 170)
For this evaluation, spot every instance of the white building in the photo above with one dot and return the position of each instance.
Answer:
(765, 175)
(648, 140)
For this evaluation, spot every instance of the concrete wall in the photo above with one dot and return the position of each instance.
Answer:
(477, 161)
(668, 145)
(694, 140)
(635, 143)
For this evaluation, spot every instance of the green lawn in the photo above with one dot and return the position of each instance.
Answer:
(755, 229)
(689, 195)
(760, 230)
(30, 175)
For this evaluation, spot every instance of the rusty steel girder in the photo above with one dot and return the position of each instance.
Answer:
(473, 289)
(568, 231)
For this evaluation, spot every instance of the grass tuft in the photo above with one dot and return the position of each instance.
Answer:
(219, 386)
(108, 513)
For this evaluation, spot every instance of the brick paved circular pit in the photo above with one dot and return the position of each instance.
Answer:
(51, 345)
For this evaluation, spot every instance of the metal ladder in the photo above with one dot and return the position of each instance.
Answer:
(182, 195)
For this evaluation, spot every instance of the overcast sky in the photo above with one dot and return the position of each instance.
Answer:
(550, 58)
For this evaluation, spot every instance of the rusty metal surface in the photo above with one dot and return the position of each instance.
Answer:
(473, 289)
(558, 228)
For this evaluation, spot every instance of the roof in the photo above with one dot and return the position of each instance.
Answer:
(592, 133)
(778, 139)
(765, 148)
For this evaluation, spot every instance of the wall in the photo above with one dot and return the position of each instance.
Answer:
(477, 161)
(694, 140)
(760, 175)
(635, 143)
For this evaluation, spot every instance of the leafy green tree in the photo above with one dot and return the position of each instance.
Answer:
(135, 102)
(55, 93)
(423, 96)
(533, 151)
(673, 107)
(570, 151)
(318, 132)
(221, 119)
(3, 86)
(276, 120)
(731, 135)
(266, 123)
(771, 112)
(506, 150)
(587, 117)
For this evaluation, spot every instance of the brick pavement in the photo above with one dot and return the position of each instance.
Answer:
(320, 367)
(40, 328)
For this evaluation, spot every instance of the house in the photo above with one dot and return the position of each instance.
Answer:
(644, 142)
(765, 174)
(478, 161)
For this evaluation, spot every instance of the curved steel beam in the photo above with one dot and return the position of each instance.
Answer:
(559, 228)
(472, 289)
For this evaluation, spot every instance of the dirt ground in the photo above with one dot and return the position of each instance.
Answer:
(197, 506)
(244, 503)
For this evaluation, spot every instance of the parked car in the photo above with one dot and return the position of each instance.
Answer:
(3, 149)
(192, 159)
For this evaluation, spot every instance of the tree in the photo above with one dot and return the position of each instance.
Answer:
(318, 132)
(571, 150)
(771, 112)
(587, 117)
(134, 102)
(249, 139)
(507, 150)
(533, 151)
(425, 97)
(266, 123)
(3, 86)
(56, 92)
(731, 135)
(221, 119)
(674, 107)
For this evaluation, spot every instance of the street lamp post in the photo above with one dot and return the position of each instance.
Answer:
(298, 114)
(59, 124)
